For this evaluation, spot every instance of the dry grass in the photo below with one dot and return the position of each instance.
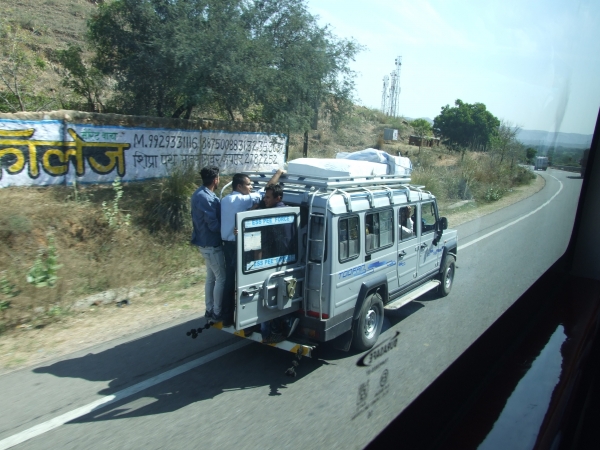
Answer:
(53, 23)
(93, 257)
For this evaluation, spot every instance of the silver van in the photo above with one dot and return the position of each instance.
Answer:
(342, 251)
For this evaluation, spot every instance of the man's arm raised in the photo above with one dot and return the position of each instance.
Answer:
(275, 178)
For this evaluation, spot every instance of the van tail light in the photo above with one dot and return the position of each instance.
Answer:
(316, 314)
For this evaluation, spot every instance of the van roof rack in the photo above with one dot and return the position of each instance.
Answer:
(303, 182)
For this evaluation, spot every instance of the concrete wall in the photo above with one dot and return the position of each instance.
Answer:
(62, 147)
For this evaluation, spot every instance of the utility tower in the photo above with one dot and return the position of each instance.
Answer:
(395, 89)
(384, 96)
(390, 98)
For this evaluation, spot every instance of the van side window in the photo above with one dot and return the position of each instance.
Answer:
(428, 217)
(349, 247)
(406, 222)
(379, 228)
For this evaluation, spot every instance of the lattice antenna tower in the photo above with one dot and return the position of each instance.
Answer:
(394, 97)
(385, 95)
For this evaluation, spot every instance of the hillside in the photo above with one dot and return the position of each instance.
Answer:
(47, 26)
(554, 139)
(53, 23)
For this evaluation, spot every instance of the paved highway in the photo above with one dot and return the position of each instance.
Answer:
(162, 389)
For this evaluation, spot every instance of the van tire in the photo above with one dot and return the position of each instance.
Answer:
(368, 325)
(447, 275)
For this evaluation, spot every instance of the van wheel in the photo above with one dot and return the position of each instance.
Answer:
(369, 323)
(447, 275)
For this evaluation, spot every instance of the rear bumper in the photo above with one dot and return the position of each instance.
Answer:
(290, 346)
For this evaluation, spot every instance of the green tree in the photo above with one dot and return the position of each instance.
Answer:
(422, 129)
(466, 125)
(308, 67)
(87, 82)
(530, 154)
(268, 60)
(136, 43)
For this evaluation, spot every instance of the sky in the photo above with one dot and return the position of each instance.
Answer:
(533, 63)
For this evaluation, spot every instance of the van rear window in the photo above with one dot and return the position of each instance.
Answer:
(269, 242)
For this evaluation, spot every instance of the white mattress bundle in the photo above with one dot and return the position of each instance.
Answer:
(396, 165)
(363, 163)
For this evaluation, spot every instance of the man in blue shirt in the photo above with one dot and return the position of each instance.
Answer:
(241, 199)
(206, 234)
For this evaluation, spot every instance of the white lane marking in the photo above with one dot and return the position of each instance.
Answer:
(51, 424)
(474, 241)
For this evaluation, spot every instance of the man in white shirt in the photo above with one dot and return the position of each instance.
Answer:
(241, 199)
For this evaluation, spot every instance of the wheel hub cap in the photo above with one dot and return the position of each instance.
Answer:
(371, 323)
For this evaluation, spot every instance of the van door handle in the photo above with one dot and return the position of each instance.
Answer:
(250, 291)
(423, 246)
(402, 254)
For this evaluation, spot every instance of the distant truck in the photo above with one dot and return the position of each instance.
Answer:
(541, 163)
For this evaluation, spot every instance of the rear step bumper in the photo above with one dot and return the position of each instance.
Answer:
(290, 346)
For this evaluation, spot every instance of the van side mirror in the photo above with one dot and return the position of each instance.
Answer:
(440, 226)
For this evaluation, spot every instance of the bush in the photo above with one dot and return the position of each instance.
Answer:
(522, 177)
(494, 193)
(44, 270)
(168, 206)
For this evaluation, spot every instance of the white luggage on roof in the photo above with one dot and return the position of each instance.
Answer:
(328, 167)
(396, 165)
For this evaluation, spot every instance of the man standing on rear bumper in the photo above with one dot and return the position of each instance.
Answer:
(206, 234)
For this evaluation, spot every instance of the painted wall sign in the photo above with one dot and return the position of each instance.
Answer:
(50, 152)
(243, 151)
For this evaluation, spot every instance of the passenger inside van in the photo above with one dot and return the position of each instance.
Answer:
(407, 226)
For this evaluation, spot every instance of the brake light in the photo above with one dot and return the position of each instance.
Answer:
(316, 314)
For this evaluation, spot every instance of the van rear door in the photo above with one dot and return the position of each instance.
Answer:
(269, 274)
